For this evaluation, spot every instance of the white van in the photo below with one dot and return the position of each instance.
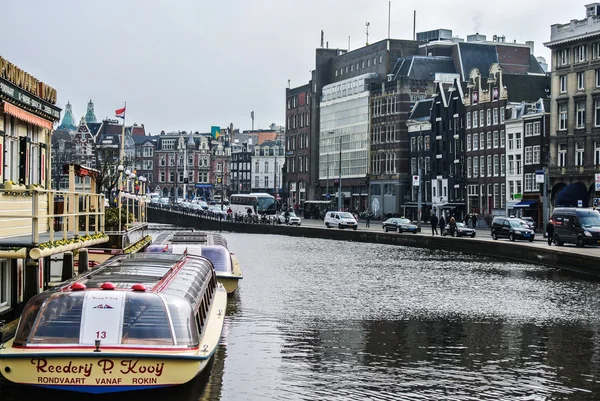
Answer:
(340, 220)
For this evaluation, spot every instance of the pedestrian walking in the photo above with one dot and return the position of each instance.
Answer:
(452, 226)
(434, 223)
(442, 224)
(550, 231)
(474, 220)
(368, 219)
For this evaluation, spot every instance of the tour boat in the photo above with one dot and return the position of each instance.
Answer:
(135, 322)
(210, 245)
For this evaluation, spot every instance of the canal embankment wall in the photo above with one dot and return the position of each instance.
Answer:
(570, 259)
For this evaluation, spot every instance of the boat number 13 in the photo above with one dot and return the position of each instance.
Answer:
(101, 334)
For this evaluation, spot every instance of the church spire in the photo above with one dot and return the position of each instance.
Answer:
(90, 117)
(68, 121)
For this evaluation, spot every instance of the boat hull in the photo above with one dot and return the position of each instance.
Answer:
(100, 374)
(229, 282)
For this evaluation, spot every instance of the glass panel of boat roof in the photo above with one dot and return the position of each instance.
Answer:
(218, 239)
(145, 320)
(189, 236)
(59, 320)
(219, 256)
(191, 280)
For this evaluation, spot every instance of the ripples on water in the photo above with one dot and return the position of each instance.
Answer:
(318, 319)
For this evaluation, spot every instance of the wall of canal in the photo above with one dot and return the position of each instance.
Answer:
(557, 257)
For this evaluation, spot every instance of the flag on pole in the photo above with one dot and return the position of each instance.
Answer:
(215, 132)
(120, 113)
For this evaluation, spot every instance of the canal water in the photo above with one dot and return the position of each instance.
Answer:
(325, 320)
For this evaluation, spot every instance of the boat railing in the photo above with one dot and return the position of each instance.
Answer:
(34, 211)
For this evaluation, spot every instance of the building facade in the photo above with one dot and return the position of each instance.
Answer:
(267, 167)
(297, 144)
(575, 109)
(241, 171)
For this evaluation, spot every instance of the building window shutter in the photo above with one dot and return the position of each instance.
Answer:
(23, 160)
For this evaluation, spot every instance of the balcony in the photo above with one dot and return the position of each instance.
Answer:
(35, 222)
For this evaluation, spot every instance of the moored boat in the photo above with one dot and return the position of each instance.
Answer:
(135, 322)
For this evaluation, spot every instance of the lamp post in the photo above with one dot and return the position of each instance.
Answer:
(142, 200)
(340, 178)
(120, 190)
(127, 178)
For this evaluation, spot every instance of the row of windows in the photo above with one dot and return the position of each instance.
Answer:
(492, 140)
(418, 143)
(299, 141)
(384, 163)
(578, 54)
(266, 164)
(385, 133)
(359, 65)
(494, 165)
(580, 115)
(496, 191)
(266, 182)
(201, 161)
(169, 176)
(298, 120)
(297, 164)
(563, 81)
(578, 154)
(146, 151)
(385, 105)
(424, 163)
(486, 117)
(295, 101)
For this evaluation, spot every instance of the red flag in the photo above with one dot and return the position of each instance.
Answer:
(120, 113)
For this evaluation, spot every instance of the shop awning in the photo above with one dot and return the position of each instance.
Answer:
(26, 116)
(525, 203)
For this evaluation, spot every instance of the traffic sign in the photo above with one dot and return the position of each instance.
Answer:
(415, 180)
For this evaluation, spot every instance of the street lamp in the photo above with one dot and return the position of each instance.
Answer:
(120, 168)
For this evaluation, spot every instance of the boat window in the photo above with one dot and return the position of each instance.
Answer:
(184, 324)
(30, 314)
(219, 256)
(59, 320)
(145, 321)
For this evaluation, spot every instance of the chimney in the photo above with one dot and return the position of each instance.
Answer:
(530, 43)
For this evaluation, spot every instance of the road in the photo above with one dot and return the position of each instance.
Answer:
(483, 234)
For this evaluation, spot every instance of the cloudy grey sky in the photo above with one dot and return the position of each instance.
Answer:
(190, 64)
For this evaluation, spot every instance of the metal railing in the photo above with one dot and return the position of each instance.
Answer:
(79, 214)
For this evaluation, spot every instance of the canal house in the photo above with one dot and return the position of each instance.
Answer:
(32, 225)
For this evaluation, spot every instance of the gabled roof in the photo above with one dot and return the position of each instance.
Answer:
(526, 88)
(476, 55)
(423, 68)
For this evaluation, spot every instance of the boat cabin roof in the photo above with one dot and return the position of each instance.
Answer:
(217, 254)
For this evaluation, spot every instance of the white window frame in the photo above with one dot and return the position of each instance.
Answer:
(536, 154)
(495, 113)
(580, 81)
(564, 57)
(5, 284)
(580, 115)
(475, 141)
(468, 142)
(597, 153)
(528, 155)
(563, 117)
(579, 154)
(562, 155)
(563, 84)
(528, 182)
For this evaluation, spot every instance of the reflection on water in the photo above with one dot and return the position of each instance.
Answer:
(316, 319)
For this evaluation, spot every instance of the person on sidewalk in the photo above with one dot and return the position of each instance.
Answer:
(368, 219)
(434, 223)
(442, 225)
(550, 231)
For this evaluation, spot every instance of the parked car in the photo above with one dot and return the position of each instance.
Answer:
(292, 219)
(511, 228)
(530, 222)
(399, 224)
(461, 231)
(340, 220)
(576, 225)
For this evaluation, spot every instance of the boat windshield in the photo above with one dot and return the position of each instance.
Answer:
(219, 256)
(116, 318)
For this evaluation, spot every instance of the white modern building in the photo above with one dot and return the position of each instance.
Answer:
(514, 158)
(267, 167)
(344, 131)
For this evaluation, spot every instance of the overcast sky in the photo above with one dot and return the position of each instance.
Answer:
(190, 64)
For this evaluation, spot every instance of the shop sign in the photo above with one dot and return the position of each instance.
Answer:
(12, 91)
(23, 80)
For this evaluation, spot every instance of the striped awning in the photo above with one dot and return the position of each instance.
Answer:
(26, 116)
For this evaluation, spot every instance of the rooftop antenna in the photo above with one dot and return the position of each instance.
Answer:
(389, 17)
(252, 117)
(289, 84)
(415, 25)
(348, 42)
(322, 38)
(368, 33)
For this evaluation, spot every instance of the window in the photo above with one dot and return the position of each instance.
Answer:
(266, 167)
(563, 84)
(481, 141)
(495, 116)
(528, 155)
(469, 142)
(511, 188)
(5, 284)
(256, 182)
(162, 176)
(597, 153)
(413, 166)
(266, 181)
(518, 165)
(368, 62)
(597, 78)
(148, 164)
(475, 141)
(518, 182)
(468, 120)
(475, 119)
(511, 165)
(469, 167)
(518, 140)
(148, 151)
(528, 129)
(502, 115)
(562, 117)
(362, 64)
(537, 128)
(536, 154)
(489, 166)
(528, 182)
(482, 166)
(511, 143)
(496, 165)
(475, 167)
(257, 167)
(502, 165)
(380, 59)
(481, 120)
(581, 53)
(497, 200)
(580, 81)
(489, 140)
(562, 155)
(579, 154)
(489, 116)
(564, 57)
(580, 114)
(597, 113)
(496, 139)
